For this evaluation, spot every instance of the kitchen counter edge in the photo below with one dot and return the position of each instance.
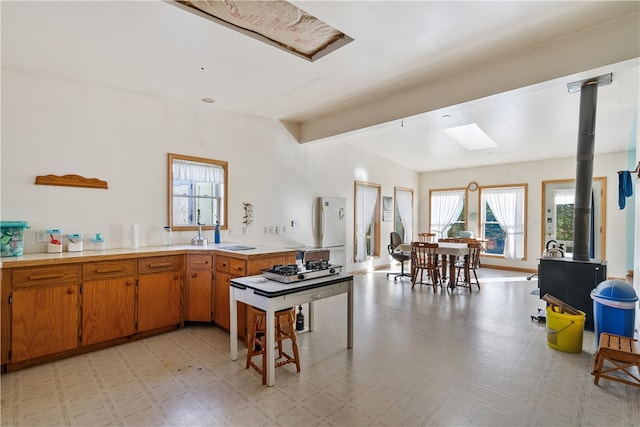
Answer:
(39, 259)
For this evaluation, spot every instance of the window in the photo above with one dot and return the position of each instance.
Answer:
(403, 219)
(503, 220)
(197, 192)
(447, 213)
(366, 221)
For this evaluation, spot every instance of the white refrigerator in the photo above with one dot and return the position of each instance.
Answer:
(330, 222)
(330, 227)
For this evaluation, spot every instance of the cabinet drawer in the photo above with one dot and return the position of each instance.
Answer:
(159, 263)
(200, 262)
(222, 264)
(108, 269)
(34, 276)
(237, 267)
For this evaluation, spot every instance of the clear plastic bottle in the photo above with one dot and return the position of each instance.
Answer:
(167, 236)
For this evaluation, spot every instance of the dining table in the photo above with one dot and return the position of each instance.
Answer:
(449, 252)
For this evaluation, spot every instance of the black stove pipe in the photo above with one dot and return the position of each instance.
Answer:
(584, 170)
(584, 162)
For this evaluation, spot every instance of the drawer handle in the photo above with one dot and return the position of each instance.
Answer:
(109, 270)
(194, 275)
(160, 264)
(128, 283)
(46, 276)
(200, 262)
(71, 291)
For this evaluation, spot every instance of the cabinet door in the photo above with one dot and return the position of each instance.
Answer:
(159, 300)
(221, 310)
(221, 299)
(44, 321)
(199, 295)
(108, 309)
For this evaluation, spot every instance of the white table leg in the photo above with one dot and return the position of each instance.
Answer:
(350, 316)
(233, 324)
(270, 343)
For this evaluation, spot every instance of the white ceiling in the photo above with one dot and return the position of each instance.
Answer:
(503, 65)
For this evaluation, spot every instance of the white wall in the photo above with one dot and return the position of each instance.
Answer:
(532, 174)
(56, 126)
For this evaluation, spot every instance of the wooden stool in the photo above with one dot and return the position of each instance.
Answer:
(256, 337)
(623, 353)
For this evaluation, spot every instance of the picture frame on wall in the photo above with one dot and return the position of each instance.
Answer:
(387, 208)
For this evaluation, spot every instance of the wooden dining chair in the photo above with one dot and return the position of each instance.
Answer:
(463, 279)
(427, 237)
(424, 259)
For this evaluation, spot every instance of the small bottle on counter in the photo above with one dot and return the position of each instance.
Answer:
(216, 232)
(167, 236)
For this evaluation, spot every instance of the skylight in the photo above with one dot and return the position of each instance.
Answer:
(276, 22)
(470, 137)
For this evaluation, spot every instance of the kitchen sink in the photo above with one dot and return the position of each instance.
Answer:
(236, 248)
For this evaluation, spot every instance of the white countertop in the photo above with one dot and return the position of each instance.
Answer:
(151, 250)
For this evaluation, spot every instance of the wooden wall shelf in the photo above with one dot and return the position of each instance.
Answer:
(71, 181)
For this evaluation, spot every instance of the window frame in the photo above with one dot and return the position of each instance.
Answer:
(171, 157)
(396, 215)
(482, 214)
(376, 219)
(465, 207)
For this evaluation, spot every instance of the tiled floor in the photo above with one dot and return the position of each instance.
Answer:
(419, 358)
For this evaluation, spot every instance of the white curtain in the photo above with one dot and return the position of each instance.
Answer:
(404, 200)
(564, 197)
(507, 205)
(445, 208)
(366, 199)
(191, 171)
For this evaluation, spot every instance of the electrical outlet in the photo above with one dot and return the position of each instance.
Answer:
(41, 236)
(266, 229)
(270, 229)
(277, 229)
(230, 231)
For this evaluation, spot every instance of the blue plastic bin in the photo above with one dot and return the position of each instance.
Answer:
(11, 237)
(614, 308)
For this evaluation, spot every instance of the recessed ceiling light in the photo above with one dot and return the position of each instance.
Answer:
(208, 100)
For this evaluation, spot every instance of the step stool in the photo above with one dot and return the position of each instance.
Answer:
(623, 353)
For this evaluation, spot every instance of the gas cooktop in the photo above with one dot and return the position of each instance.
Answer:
(290, 273)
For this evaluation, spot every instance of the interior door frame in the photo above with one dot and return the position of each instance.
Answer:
(547, 186)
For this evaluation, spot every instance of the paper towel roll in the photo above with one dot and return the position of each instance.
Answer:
(134, 235)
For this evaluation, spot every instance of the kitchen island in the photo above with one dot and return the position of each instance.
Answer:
(271, 296)
(58, 305)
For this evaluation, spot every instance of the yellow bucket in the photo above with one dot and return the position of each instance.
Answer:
(564, 331)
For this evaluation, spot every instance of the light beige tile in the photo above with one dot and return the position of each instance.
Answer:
(419, 358)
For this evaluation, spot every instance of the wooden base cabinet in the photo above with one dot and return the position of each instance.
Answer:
(159, 292)
(226, 268)
(45, 311)
(45, 321)
(56, 308)
(108, 309)
(199, 289)
(108, 300)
